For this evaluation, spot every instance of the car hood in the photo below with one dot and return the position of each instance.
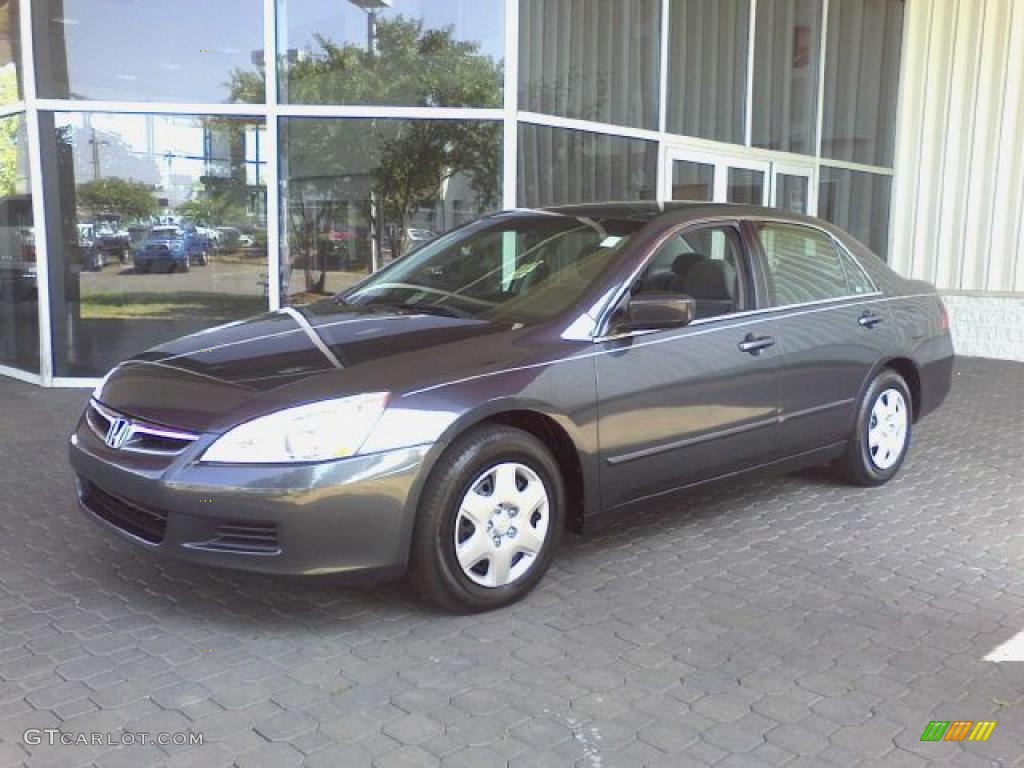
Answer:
(219, 377)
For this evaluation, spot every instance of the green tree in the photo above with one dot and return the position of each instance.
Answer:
(406, 163)
(11, 134)
(132, 200)
(212, 210)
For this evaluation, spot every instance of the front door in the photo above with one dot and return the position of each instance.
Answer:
(680, 406)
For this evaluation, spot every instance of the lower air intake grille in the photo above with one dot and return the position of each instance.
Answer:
(147, 524)
(245, 538)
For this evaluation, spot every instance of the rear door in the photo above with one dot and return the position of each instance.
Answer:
(833, 327)
(681, 405)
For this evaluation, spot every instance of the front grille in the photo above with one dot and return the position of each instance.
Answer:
(143, 437)
(244, 538)
(145, 523)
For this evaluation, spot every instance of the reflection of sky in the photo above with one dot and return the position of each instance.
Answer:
(479, 21)
(165, 151)
(177, 50)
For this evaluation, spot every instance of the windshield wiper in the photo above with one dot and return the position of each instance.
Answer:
(425, 309)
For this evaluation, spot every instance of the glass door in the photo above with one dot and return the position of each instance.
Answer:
(688, 176)
(746, 181)
(793, 188)
(711, 177)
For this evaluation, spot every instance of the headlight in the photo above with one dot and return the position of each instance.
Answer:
(332, 429)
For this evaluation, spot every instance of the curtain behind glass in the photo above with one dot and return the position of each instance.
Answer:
(561, 166)
(859, 203)
(707, 57)
(590, 59)
(787, 52)
(862, 68)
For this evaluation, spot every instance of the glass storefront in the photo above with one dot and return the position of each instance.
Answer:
(359, 193)
(707, 68)
(10, 53)
(278, 152)
(787, 55)
(590, 59)
(859, 203)
(129, 51)
(862, 72)
(157, 229)
(558, 166)
(19, 288)
(416, 53)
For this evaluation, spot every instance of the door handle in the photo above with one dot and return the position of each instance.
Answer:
(755, 344)
(870, 319)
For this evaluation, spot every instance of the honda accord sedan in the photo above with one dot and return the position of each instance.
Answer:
(453, 414)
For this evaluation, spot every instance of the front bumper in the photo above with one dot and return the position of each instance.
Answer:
(353, 516)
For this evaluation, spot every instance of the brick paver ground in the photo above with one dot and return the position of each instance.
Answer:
(791, 621)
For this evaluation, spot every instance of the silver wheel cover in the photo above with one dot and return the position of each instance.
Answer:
(887, 429)
(502, 525)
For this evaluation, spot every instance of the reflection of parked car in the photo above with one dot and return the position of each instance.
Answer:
(172, 249)
(246, 241)
(228, 239)
(113, 243)
(90, 255)
(416, 236)
(18, 276)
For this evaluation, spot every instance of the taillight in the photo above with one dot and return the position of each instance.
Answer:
(943, 318)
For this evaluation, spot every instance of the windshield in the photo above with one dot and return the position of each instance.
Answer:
(521, 269)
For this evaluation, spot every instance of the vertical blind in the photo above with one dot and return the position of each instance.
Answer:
(591, 59)
(707, 62)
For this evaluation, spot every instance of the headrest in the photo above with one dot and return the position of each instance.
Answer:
(706, 280)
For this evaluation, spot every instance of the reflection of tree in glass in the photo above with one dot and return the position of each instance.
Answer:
(222, 198)
(395, 168)
(131, 200)
(10, 129)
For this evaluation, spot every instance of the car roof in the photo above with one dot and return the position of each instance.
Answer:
(647, 211)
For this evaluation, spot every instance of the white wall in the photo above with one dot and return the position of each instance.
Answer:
(958, 199)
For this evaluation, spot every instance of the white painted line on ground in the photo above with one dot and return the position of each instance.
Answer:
(1011, 650)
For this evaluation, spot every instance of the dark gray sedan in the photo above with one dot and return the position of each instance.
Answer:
(454, 413)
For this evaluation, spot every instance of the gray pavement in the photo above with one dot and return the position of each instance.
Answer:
(791, 621)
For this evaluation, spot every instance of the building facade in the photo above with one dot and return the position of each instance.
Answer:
(167, 167)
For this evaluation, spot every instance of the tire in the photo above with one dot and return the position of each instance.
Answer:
(471, 465)
(186, 265)
(882, 434)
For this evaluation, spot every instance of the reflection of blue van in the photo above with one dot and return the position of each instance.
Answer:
(172, 249)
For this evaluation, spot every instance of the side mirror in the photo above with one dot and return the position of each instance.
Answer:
(656, 311)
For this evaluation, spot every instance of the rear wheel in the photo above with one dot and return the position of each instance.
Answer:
(882, 435)
(490, 519)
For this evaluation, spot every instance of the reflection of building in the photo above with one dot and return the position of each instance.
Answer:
(377, 131)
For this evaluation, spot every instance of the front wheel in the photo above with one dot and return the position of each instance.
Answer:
(490, 518)
(882, 434)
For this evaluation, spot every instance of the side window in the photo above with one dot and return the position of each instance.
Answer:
(856, 279)
(705, 264)
(803, 265)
